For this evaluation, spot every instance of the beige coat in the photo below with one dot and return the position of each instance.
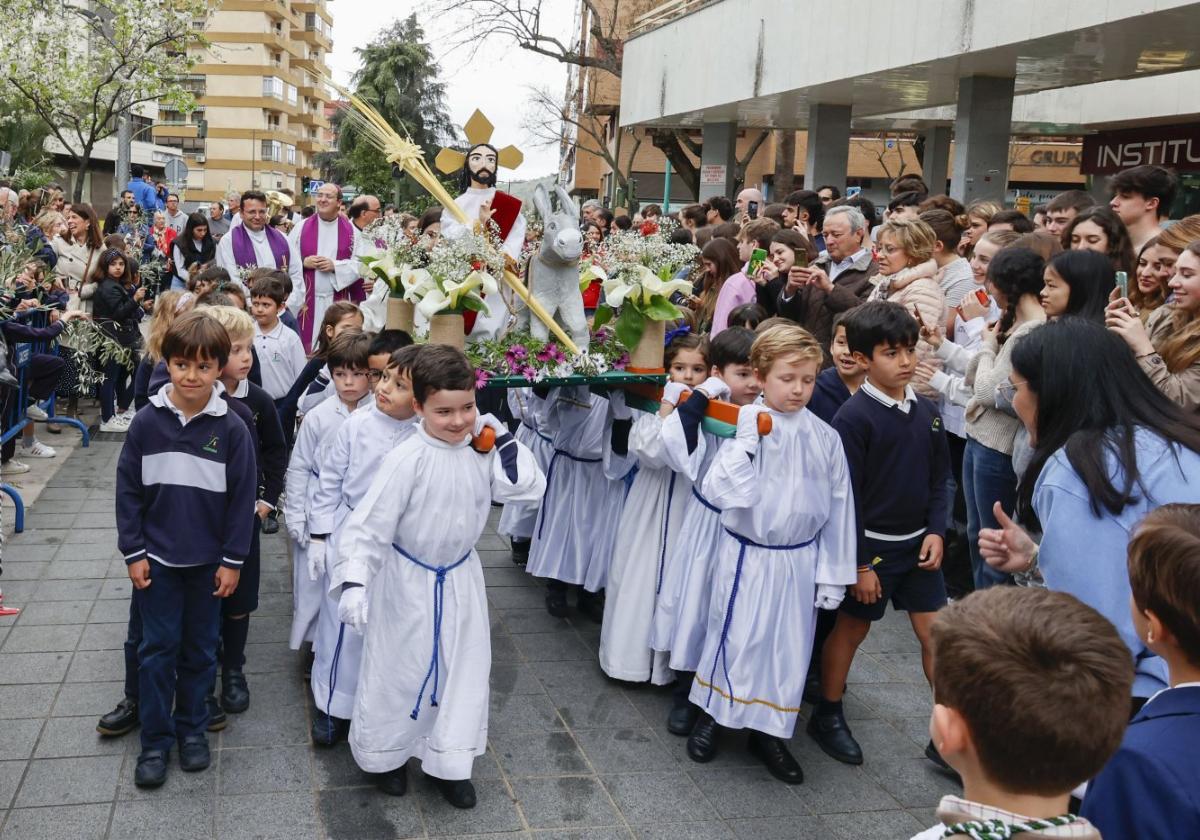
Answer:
(1182, 387)
(76, 264)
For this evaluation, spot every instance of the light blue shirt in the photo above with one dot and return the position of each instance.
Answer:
(1085, 555)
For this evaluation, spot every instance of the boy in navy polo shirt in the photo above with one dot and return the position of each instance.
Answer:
(186, 481)
(896, 448)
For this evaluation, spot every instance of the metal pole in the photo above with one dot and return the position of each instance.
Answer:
(667, 189)
(253, 154)
(124, 151)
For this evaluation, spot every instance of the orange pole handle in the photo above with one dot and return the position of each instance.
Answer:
(485, 441)
(717, 409)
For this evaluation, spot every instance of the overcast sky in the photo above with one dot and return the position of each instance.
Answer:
(494, 81)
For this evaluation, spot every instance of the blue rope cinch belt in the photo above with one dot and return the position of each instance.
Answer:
(550, 475)
(439, 594)
(705, 501)
(662, 556)
(720, 658)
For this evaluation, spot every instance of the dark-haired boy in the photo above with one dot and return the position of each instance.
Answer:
(383, 347)
(1148, 790)
(838, 383)
(899, 462)
(408, 552)
(1031, 691)
(1142, 197)
(280, 352)
(185, 482)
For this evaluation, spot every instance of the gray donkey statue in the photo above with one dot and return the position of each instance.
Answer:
(554, 271)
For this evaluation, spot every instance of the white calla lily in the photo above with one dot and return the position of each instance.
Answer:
(433, 302)
(488, 283)
(615, 291)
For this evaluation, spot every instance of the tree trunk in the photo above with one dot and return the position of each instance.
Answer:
(784, 179)
(81, 174)
(683, 166)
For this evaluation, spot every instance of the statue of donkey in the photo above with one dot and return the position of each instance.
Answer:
(554, 270)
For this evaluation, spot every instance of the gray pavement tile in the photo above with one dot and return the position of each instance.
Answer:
(510, 575)
(35, 537)
(97, 506)
(263, 726)
(271, 628)
(104, 636)
(46, 518)
(708, 830)
(495, 812)
(516, 597)
(368, 814)
(268, 658)
(905, 667)
(34, 639)
(608, 708)
(781, 828)
(93, 665)
(493, 542)
(896, 699)
(658, 797)
(625, 750)
(201, 785)
(504, 650)
(110, 612)
(866, 668)
(95, 520)
(565, 802)
(19, 668)
(334, 767)
(55, 494)
(916, 728)
(522, 713)
(274, 603)
(280, 690)
(26, 701)
(873, 825)
(913, 782)
(21, 569)
(557, 646)
(514, 678)
(116, 589)
(78, 822)
(653, 702)
(570, 677)
(527, 621)
(27, 553)
(275, 582)
(19, 592)
(91, 536)
(538, 754)
(10, 779)
(86, 553)
(67, 737)
(267, 816)
(95, 698)
(747, 792)
(179, 818)
(614, 833)
(20, 736)
(265, 770)
(80, 589)
(70, 781)
(883, 739)
(830, 787)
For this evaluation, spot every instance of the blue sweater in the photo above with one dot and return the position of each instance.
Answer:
(829, 394)
(899, 464)
(1085, 554)
(185, 492)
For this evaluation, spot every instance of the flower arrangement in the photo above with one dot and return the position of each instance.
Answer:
(639, 282)
(519, 354)
(398, 254)
(458, 271)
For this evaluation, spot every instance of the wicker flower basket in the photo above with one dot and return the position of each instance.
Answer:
(400, 314)
(447, 328)
(647, 357)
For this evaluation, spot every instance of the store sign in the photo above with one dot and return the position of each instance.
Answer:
(1172, 146)
(712, 174)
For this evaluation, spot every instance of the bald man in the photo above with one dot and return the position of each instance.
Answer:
(323, 266)
(742, 206)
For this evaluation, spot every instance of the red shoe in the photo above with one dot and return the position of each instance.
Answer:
(7, 610)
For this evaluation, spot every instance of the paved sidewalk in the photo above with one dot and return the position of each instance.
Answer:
(572, 754)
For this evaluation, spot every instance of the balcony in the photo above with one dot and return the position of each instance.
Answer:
(315, 37)
(315, 91)
(316, 66)
(311, 145)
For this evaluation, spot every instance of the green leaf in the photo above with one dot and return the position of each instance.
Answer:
(661, 309)
(474, 304)
(630, 326)
(604, 314)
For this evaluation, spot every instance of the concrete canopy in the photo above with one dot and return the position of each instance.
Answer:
(765, 62)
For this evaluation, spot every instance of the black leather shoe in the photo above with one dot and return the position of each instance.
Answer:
(812, 687)
(591, 604)
(833, 736)
(772, 752)
(702, 743)
(936, 757)
(217, 719)
(458, 792)
(393, 782)
(120, 720)
(151, 769)
(270, 525)
(520, 550)
(556, 602)
(193, 753)
(235, 694)
(682, 719)
(327, 730)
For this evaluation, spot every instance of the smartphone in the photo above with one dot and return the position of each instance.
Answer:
(802, 258)
(757, 258)
(1123, 283)
(752, 209)
(982, 297)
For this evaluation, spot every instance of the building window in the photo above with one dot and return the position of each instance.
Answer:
(273, 87)
(172, 117)
(188, 145)
(271, 150)
(291, 94)
(291, 154)
(272, 121)
(195, 85)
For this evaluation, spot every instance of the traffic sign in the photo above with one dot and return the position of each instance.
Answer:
(313, 186)
(177, 171)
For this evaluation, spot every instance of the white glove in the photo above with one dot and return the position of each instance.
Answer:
(829, 596)
(352, 607)
(483, 421)
(747, 425)
(672, 391)
(616, 404)
(316, 559)
(715, 388)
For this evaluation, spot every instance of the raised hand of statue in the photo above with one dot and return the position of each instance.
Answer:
(486, 212)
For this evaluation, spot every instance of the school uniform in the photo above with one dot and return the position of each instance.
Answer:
(646, 532)
(829, 393)
(184, 490)
(303, 474)
(517, 521)
(426, 660)
(899, 463)
(281, 356)
(574, 536)
(348, 466)
(787, 520)
(1147, 791)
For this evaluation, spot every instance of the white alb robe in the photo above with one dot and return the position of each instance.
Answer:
(345, 272)
(517, 520)
(431, 499)
(301, 482)
(794, 501)
(348, 466)
(263, 255)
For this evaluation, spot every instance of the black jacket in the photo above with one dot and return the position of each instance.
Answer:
(114, 309)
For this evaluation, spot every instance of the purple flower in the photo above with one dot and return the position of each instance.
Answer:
(622, 362)
(481, 378)
(529, 372)
(517, 351)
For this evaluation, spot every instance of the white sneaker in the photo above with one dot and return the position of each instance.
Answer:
(34, 412)
(115, 425)
(13, 467)
(37, 450)
(129, 414)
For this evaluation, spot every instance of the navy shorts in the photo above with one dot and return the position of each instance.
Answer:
(908, 587)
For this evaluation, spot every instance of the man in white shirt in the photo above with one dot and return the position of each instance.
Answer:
(252, 244)
(324, 267)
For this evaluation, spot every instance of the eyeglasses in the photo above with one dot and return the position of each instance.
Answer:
(375, 375)
(1008, 390)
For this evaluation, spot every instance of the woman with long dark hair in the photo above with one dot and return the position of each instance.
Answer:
(1108, 448)
(719, 260)
(1100, 229)
(194, 249)
(1078, 283)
